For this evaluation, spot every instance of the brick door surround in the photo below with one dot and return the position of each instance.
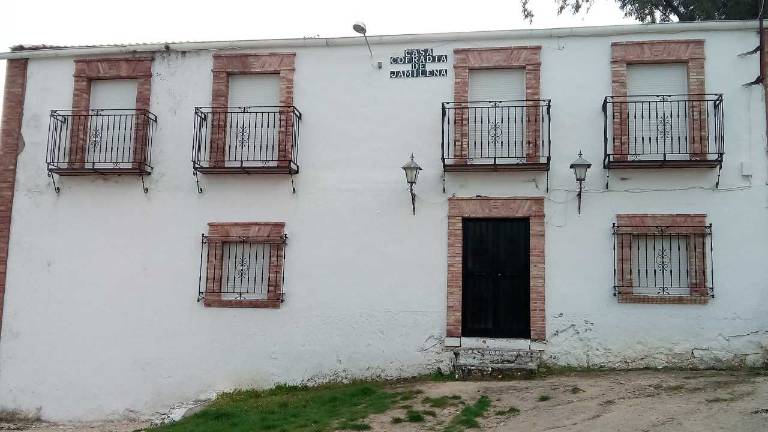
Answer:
(487, 207)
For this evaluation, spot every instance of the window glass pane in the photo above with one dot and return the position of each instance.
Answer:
(660, 264)
(245, 272)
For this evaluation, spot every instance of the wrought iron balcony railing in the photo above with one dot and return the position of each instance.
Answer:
(663, 261)
(657, 131)
(103, 141)
(254, 139)
(496, 135)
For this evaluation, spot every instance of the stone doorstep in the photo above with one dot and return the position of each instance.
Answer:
(469, 361)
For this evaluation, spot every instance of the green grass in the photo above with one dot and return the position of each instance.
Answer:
(291, 409)
(544, 397)
(413, 416)
(441, 401)
(511, 411)
(467, 418)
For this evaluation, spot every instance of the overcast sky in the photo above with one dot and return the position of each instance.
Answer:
(89, 22)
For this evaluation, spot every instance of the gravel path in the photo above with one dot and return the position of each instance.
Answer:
(667, 401)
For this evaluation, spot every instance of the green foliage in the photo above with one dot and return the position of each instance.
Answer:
(651, 11)
(511, 411)
(414, 416)
(441, 401)
(467, 418)
(290, 409)
(354, 426)
(544, 397)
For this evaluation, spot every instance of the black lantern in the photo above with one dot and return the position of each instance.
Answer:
(411, 176)
(580, 167)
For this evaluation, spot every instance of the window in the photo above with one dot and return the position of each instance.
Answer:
(109, 129)
(241, 265)
(251, 125)
(113, 103)
(663, 259)
(497, 120)
(255, 118)
(245, 269)
(660, 264)
(497, 126)
(658, 116)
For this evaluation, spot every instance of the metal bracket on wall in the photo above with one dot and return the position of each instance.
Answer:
(143, 185)
(607, 178)
(719, 170)
(53, 179)
(197, 181)
(443, 178)
(293, 185)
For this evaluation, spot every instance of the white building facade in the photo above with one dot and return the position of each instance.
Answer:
(235, 214)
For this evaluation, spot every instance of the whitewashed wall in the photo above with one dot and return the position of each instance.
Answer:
(100, 313)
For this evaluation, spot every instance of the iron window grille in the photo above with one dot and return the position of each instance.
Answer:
(101, 141)
(496, 135)
(253, 139)
(663, 261)
(241, 269)
(657, 131)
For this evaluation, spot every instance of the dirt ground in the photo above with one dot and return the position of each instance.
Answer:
(677, 401)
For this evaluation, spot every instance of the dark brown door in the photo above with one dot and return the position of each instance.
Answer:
(496, 278)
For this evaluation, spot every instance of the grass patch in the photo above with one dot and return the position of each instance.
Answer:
(576, 390)
(354, 426)
(441, 401)
(719, 399)
(291, 409)
(544, 397)
(413, 416)
(467, 418)
(409, 395)
(397, 420)
(440, 376)
(511, 411)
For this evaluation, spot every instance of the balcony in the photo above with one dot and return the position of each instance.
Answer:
(247, 140)
(496, 136)
(661, 131)
(104, 141)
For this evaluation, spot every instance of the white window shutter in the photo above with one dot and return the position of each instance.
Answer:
(657, 79)
(254, 90)
(113, 94)
(496, 84)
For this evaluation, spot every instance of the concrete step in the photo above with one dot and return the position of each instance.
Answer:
(485, 362)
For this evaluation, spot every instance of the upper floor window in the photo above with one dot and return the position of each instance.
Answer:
(252, 125)
(497, 119)
(110, 127)
(659, 114)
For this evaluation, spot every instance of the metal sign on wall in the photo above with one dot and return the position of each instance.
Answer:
(418, 59)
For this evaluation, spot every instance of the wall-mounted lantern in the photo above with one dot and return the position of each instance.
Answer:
(580, 167)
(411, 175)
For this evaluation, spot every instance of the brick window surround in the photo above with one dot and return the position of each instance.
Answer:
(90, 69)
(690, 52)
(267, 232)
(10, 140)
(481, 207)
(225, 65)
(675, 224)
(523, 57)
